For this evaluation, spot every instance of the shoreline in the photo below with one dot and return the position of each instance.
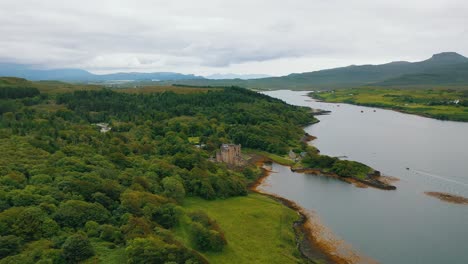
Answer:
(309, 243)
(403, 111)
(374, 179)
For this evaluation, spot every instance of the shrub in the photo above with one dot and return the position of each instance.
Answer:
(154, 250)
(165, 215)
(205, 239)
(111, 233)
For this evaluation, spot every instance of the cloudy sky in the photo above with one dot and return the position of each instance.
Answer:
(224, 36)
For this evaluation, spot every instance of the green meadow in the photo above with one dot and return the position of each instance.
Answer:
(258, 229)
(443, 104)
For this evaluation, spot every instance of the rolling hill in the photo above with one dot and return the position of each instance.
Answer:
(450, 75)
(447, 68)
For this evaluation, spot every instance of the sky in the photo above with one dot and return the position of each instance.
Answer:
(222, 36)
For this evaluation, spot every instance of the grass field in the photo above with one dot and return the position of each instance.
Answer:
(439, 104)
(283, 160)
(257, 228)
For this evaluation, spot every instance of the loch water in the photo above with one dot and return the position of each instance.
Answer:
(402, 226)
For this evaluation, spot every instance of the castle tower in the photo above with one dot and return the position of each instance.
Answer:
(230, 154)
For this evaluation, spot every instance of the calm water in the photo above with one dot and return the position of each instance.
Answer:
(402, 226)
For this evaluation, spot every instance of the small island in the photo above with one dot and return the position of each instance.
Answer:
(450, 198)
(353, 172)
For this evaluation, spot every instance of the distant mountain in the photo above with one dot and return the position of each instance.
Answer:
(447, 58)
(439, 69)
(141, 76)
(447, 68)
(365, 74)
(449, 75)
(228, 76)
(77, 75)
(28, 72)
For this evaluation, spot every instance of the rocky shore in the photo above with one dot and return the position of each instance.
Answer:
(320, 112)
(307, 137)
(311, 247)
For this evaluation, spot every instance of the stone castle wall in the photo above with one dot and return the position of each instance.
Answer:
(230, 154)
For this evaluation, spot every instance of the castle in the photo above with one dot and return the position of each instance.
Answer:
(230, 154)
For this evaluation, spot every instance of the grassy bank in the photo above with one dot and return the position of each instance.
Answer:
(257, 228)
(438, 104)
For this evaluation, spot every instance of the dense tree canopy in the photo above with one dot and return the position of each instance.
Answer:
(8, 92)
(65, 186)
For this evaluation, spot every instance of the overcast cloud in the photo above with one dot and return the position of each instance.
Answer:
(218, 36)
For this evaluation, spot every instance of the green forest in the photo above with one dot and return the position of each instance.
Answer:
(70, 193)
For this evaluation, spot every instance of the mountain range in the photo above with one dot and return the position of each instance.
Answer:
(78, 75)
(221, 76)
(447, 68)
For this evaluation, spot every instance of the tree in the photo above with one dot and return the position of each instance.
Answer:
(206, 190)
(134, 201)
(9, 245)
(205, 239)
(92, 229)
(137, 227)
(173, 188)
(111, 233)
(33, 223)
(75, 213)
(147, 250)
(77, 248)
(248, 173)
(166, 215)
(29, 223)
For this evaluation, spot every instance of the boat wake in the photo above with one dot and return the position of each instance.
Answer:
(440, 177)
